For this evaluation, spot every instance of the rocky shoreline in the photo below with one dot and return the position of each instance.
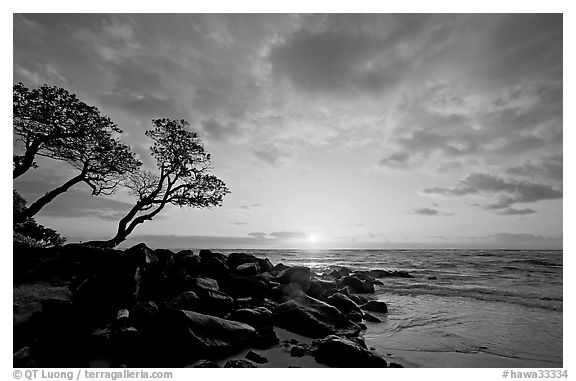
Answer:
(158, 308)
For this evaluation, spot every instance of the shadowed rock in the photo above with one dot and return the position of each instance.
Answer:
(205, 364)
(375, 306)
(299, 275)
(239, 363)
(313, 318)
(343, 303)
(358, 285)
(255, 317)
(340, 352)
(256, 357)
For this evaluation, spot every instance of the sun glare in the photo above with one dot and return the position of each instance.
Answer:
(312, 238)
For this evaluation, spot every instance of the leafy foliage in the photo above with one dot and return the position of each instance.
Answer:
(51, 122)
(183, 177)
(30, 233)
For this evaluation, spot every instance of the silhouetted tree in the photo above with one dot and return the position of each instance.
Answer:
(51, 122)
(28, 231)
(182, 178)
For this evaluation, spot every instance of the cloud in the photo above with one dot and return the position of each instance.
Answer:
(289, 235)
(429, 212)
(549, 167)
(219, 131)
(509, 191)
(251, 206)
(239, 223)
(516, 212)
(258, 235)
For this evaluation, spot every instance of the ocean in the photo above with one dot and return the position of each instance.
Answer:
(479, 307)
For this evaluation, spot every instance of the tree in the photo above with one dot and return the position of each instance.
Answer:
(182, 178)
(51, 122)
(30, 232)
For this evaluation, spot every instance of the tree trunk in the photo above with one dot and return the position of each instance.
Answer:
(33, 209)
(29, 155)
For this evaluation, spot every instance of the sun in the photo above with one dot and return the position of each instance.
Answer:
(312, 237)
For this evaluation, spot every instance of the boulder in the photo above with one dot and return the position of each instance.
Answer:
(142, 254)
(144, 315)
(236, 259)
(248, 269)
(375, 306)
(239, 363)
(344, 353)
(390, 274)
(205, 364)
(280, 267)
(356, 317)
(265, 338)
(246, 287)
(189, 333)
(371, 318)
(256, 357)
(313, 318)
(255, 317)
(214, 265)
(358, 299)
(359, 286)
(343, 303)
(203, 284)
(187, 301)
(297, 275)
(298, 351)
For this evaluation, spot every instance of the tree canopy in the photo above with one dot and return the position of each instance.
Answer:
(53, 123)
(182, 178)
(28, 231)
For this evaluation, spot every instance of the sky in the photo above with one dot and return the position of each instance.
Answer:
(331, 130)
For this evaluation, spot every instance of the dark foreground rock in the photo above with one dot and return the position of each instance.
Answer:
(340, 352)
(375, 306)
(313, 318)
(256, 357)
(239, 363)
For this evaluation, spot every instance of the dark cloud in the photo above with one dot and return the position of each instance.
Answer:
(289, 235)
(509, 191)
(516, 212)
(548, 167)
(429, 212)
(251, 206)
(219, 131)
(239, 223)
(258, 235)
(395, 160)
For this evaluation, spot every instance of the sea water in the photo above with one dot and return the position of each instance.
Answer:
(497, 304)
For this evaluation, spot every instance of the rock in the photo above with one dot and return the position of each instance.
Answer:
(187, 260)
(358, 285)
(126, 344)
(104, 294)
(315, 291)
(165, 257)
(190, 333)
(375, 306)
(203, 284)
(280, 267)
(255, 317)
(297, 351)
(239, 363)
(266, 265)
(284, 292)
(389, 274)
(313, 318)
(355, 316)
(358, 299)
(248, 269)
(363, 326)
(265, 339)
(256, 357)
(371, 318)
(205, 364)
(144, 256)
(216, 302)
(296, 275)
(343, 353)
(340, 272)
(247, 287)
(343, 303)
(144, 315)
(24, 358)
(430, 278)
(187, 301)
(214, 265)
(395, 365)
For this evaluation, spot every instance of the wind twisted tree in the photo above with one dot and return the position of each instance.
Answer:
(182, 179)
(50, 122)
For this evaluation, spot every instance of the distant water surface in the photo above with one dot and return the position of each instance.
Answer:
(506, 303)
